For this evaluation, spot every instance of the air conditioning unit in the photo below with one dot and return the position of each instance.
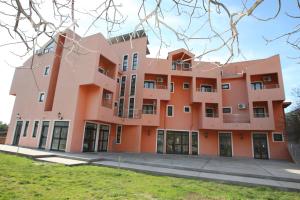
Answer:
(159, 80)
(242, 106)
(267, 78)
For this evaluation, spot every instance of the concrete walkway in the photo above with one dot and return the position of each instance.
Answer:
(279, 174)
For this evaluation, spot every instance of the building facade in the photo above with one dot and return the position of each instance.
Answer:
(107, 95)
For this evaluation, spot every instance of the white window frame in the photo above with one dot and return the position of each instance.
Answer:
(134, 86)
(212, 88)
(172, 110)
(25, 127)
(172, 83)
(45, 70)
(227, 107)
(262, 84)
(265, 111)
(39, 97)
(277, 133)
(121, 86)
(184, 83)
(152, 81)
(189, 107)
(120, 134)
(137, 61)
(229, 86)
(132, 97)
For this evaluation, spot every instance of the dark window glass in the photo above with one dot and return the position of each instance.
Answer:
(131, 108)
(195, 143)
(25, 129)
(35, 128)
(47, 70)
(186, 85)
(42, 97)
(226, 110)
(123, 82)
(60, 133)
(186, 109)
(132, 85)
(259, 112)
(149, 84)
(160, 141)
(44, 134)
(172, 87)
(118, 136)
(134, 61)
(89, 137)
(206, 88)
(170, 111)
(148, 109)
(225, 86)
(277, 137)
(121, 107)
(256, 86)
(209, 112)
(125, 63)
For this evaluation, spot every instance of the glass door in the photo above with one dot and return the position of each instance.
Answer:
(89, 137)
(195, 143)
(177, 142)
(225, 144)
(260, 146)
(17, 133)
(160, 141)
(103, 138)
(59, 138)
(44, 133)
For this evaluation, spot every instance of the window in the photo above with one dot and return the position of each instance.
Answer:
(125, 63)
(131, 108)
(206, 88)
(160, 141)
(186, 85)
(227, 110)
(195, 143)
(149, 84)
(35, 128)
(42, 97)
(172, 87)
(121, 108)
(226, 86)
(116, 104)
(132, 85)
(256, 86)
(259, 112)
(118, 80)
(134, 61)
(148, 109)
(25, 129)
(209, 112)
(47, 70)
(170, 112)
(277, 137)
(123, 84)
(186, 109)
(118, 134)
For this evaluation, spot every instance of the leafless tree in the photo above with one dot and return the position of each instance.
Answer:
(25, 22)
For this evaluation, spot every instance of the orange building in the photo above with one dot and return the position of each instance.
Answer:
(107, 95)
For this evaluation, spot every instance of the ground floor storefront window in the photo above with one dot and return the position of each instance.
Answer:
(60, 134)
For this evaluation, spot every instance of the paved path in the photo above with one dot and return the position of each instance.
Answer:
(280, 174)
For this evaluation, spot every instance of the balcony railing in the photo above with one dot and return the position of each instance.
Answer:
(103, 71)
(260, 115)
(213, 115)
(130, 114)
(181, 66)
(236, 118)
(149, 111)
(268, 86)
(107, 103)
(206, 89)
(157, 86)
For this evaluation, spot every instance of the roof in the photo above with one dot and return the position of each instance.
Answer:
(286, 104)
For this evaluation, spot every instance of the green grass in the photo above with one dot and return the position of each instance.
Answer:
(22, 178)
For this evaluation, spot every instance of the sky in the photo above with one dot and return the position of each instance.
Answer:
(251, 33)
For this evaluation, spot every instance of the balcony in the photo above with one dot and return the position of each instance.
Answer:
(236, 121)
(156, 87)
(206, 90)
(266, 87)
(181, 66)
(211, 119)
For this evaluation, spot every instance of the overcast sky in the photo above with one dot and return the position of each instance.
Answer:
(251, 42)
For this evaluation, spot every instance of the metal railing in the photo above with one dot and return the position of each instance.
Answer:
(206, 89)
(236, 118)
(107, 103)
(181, 66)
(212, 115)
(157, 86)
(260, 115)
(267, 86)
(149, 111)
(130, 114)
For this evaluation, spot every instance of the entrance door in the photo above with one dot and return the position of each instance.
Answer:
(177, 142)
(103, 138)
(44, 133)
(89, 137)
(17, 133)
(195, 143)
(60, 134)
(225, 144)
(260, 146)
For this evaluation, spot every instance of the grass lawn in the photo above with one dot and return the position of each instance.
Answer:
(22, 178)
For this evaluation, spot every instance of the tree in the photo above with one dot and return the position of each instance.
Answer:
(293, 119)
(27, 23)
(3, 126)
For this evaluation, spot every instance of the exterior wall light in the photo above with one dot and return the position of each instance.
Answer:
(59, 115)
(18, 116)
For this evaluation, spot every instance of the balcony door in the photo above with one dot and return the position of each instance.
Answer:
(17, 133)
(225, 145)
(260, 145)
(103, 138)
